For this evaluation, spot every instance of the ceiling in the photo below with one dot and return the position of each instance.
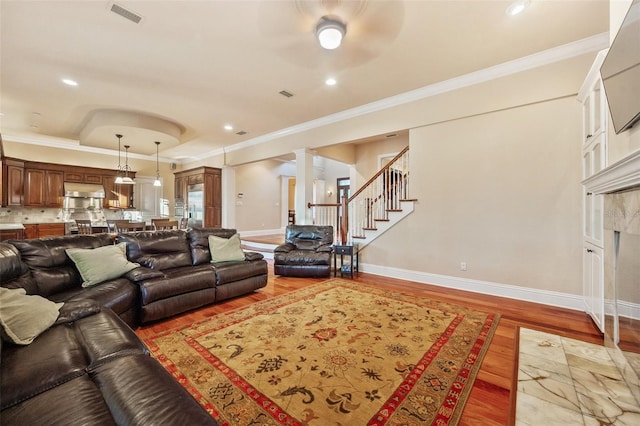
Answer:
(190, 67)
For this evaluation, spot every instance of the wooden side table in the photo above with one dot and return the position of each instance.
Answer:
(342, 250)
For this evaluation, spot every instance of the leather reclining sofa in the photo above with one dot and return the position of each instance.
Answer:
(175, 274)
(90, 367)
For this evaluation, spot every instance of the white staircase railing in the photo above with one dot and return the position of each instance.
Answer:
(369, 205)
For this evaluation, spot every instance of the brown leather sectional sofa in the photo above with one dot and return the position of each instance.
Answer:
(90, 367)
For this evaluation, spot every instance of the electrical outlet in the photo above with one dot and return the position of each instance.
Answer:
(463, 266)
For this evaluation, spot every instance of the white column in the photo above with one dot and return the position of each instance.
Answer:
(228, 197)
(304, 185)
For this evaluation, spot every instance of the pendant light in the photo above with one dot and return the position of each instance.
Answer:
(157, 181)
(119, 174)
(126, 180)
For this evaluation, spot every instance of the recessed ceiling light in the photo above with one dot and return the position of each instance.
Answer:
(228, 127)
(517, 7)
(330, 82)
(69, 82)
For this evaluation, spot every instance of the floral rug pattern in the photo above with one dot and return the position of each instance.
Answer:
(332, 353)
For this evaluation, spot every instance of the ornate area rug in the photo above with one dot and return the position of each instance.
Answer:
(332, 353)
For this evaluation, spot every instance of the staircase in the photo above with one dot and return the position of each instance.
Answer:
(374, 208)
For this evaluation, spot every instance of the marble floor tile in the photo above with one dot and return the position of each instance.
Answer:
(531, 411)
(567, 382)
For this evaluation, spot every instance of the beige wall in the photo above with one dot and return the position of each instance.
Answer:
(260, 183)
(499, 191)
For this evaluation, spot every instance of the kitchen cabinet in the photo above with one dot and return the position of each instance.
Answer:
(180, 189)
(36, 184)
(83, 177)
(40, 230)
(117, 196)
(213, 199)
(43, 188)
(12, 182)
(11, 234)
(210, 180)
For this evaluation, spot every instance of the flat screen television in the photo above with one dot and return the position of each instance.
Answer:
(620, 72)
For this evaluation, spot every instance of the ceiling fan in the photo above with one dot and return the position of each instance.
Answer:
(290, 28)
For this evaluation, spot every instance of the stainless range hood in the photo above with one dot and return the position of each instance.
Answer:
(83, 190)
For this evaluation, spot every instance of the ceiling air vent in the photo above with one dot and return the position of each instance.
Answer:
(125, 13)
(286, 94)
(241, 132)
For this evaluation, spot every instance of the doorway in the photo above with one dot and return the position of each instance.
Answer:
(343, 188)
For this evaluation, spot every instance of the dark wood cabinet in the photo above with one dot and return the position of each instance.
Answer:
(79, 176)
(213, 199)
(40, 230)
(12, 182)
(180, 189)
(36, 184)
(211, 180)
(34, 187)
(43, 188)
(117, 196)
(54, 184)
(93, 178)
(11, 234)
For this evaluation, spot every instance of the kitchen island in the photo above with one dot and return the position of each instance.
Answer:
(11, 231)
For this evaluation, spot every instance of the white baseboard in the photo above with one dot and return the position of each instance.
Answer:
(545, 297)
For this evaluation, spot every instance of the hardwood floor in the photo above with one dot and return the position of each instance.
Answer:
(493, 390)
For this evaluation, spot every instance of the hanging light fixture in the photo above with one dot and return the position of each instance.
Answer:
(157, 181)
(330, 32)
(126, 180)
(119, 174)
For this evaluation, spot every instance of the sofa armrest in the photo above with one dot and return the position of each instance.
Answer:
(251, 255)
(142, 274)
(74, 310)
(325, 249)
(284, 248)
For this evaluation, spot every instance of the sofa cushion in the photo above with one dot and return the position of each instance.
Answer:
(120, 295)
(178, 281)
(157, 249)
(102, 263)
(150, 396)
(54, 358)
(75, 402)
(11, 265)
(22, 317)
(199, 242)
(229, 272)
(309, 237)
(51, 268)
(225, 249)
(302, 257)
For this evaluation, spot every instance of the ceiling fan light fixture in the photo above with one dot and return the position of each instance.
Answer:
(330, 32)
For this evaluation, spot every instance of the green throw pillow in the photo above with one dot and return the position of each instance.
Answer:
(101, 264)
(22, 317)
(225, 249)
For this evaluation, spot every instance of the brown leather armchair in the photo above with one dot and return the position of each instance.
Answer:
(305, 253)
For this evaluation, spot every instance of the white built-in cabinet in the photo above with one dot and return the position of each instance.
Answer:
(594, 159)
